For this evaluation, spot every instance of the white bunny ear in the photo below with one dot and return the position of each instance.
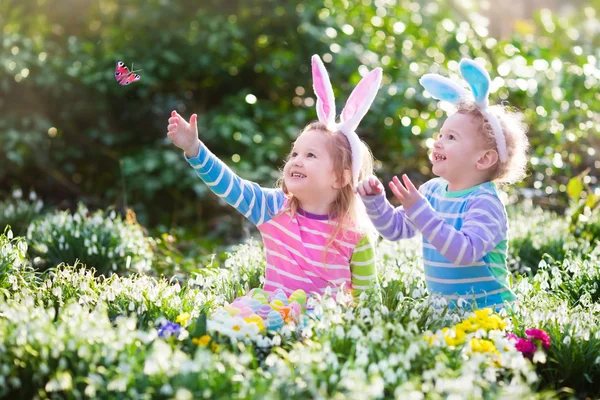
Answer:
(442, 88)
(324, 91)
(478, 79)
(360, 100)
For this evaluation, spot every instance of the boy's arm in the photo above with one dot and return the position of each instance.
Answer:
(390, 222)
(485, 225)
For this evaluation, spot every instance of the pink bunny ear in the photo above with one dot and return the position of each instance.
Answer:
(324, 92)
(355, 109)
(360, 100)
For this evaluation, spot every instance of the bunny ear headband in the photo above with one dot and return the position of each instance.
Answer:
(355, 109)
(442, 88)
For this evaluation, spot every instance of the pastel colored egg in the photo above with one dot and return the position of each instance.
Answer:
(254, 304)
(254, 290)
(284, 312)
(276, 305)
(295, 311)
(281, 297)
(298, 296)
(231, 310)
(276, 292)
(247, 311)
(255, 319)
(260, 297)
(264, 311)
(275, 320)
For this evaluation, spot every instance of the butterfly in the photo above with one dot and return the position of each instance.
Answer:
(123, 76)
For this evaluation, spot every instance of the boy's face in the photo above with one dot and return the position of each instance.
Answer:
(457, 149)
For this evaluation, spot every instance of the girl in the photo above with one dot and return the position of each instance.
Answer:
(310, 225)
(460, 215)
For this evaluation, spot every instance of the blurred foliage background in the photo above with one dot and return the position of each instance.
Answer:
(72, 134)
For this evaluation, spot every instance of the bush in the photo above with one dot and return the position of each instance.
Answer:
(103, 240)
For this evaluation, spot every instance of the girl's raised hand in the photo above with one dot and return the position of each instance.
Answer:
(370, 186)
(183, 134)
(408, 194)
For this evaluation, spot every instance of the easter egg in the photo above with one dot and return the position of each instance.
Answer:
(260, 297)
(295, 311)
(257, 320)
(277, 292)
(254, 291)
(246, 312)
(284, 312)
(276, 305)
(231, 310)
(254, 304)
(281, 297)
(264, 311)
(298, 296)
(275, 321)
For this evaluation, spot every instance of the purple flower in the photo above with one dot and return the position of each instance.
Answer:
(539, 335)
(168, 329)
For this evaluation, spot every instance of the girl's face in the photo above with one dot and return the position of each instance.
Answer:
(308, 174)
(457, 149)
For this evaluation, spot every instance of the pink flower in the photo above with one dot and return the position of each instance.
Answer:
(539, 335)
(525, 346)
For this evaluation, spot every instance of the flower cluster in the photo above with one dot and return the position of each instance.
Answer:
(536, 340)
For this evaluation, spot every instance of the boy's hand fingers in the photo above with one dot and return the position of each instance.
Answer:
(408, 183)
(395, 191)
(171, 127)
(400, 186)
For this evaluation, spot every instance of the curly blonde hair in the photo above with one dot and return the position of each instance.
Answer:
(514, 169)
(347, 208)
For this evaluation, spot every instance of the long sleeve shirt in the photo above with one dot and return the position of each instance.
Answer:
(296, 247)
(464, 239)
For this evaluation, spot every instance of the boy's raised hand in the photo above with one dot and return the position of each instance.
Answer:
(409, 195)
(183, 134)
(370, 186)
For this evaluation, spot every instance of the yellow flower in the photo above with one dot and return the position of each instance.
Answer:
(429, 338)
(483, 313)
(183, 318)
(201, 341)
(454, 337)
(483, 346)
(215, 347)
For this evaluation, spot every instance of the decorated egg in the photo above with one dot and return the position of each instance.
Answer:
(276, 305)
(231, 310)
(298, 296)
(254, 304)
(257, 320)
(275, 321)
(295, 311)
(277, 292)
(260, 297)
(264, 311)
(281, 297)
(284, 312)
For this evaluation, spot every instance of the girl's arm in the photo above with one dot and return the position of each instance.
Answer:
(484, 226)
(362, 266)
(252, 201)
